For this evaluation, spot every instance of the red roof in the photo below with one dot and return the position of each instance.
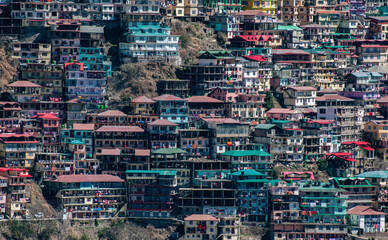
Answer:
(167, 97)
(7, 135)
(142, 99)
(373, 46)
(110, 152)
(74, 100)
(343, 156)
(280, 110)
(23, 84)
(120, 129)
(221, 120)
(333, 97)
(364, 210)
(299, 173)
(79, 64)
(162, 122)
(383, 100)
(293, 129)
(257, 58)
(51, 116)
(362, 144)
(83, 126)
(76, 178)
(202, 99)
(304, 88)
(4, 169)
(323, 122)
(200, 217)
(142, 152)
(328, 12)
(112, 113)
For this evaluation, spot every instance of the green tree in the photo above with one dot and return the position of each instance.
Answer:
(269, 100)
(185, 40)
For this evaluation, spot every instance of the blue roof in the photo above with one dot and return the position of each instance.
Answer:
(374, 174)
(160, 172)
(76, 142)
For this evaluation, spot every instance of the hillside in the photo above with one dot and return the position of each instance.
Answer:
(134, 79)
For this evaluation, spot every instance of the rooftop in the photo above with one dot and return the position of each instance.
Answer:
(120, 129)
(200, 217)
(78, 178)
(243, 153)
(162, 122)
(112, 113)
(167, 97)
(142, 99)
(23, 84)
(364, 210)
(83, 126)
(202, 99)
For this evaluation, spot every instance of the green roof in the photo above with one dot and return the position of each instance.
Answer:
(326, 46)
(319, 188)
(247, 172)
(280, 121)
(160, 172)
(364, 184)
(265, 126)
(216, 54)
(243, 153)
(76, 142)
(287, 28)
(168, 151)
(337, 34)
(374, 174)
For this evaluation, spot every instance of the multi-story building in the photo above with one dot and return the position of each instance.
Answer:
(173, 109)
(378, 27)
(28, 52)
(50, 124)
(372, 54)
(48, 76)
(207, 191)
(268, 7)
(367, 219)
(3, 194)
(204, 106)
(151, 193)
(65, 41)
(252, 195)
(257, 160)
(25, 91)
(300, 97)
(17, 150)
(150, 42)
(363, 87)
(18, 191)
(317, 138)
(359, 191)
(323, 210)
(122, 140)
(226, 134)
(228, 24)
(342, 110)
(222, 6)
(376, 133)
(284, 114)
(162, 134)
(196, 142)
(88, 196)
(363, 154)
(200, 226)
(285, 219)
(176, 87)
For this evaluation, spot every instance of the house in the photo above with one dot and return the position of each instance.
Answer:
(26, 52)
(3, 194)
(17, 150)
(284, 114)
(379, 27)
(18, 191)
(151, 193)
(88, 196)
(365, 219)
(317, 138)
(342, 110)
(300, 96)
(140, 44)
(266, 7)
(162, 134)
(363, 154)
(50, 126)
(195, 141)
(204, 106)
(226, 134)
(173, 109)
(257, 160)
(200, 226)
(372, 54)
(360, 191)
(376, 133)
(25, 91)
